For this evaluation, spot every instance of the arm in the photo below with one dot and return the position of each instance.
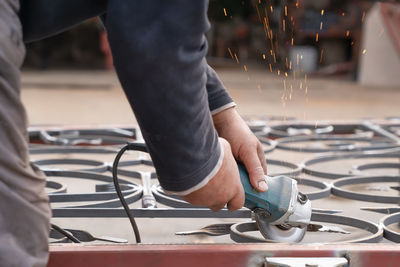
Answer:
(158, 49)
(244, 145)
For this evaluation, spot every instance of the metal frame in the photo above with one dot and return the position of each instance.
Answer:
(389, 233)
(279, 131)
(336, 190)
(97, 166)
(238, 230)
(391, 153)
(342, 143)
(216, 255)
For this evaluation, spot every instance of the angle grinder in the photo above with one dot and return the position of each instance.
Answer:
(281, 213)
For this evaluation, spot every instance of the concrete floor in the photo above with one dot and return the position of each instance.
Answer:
(55, 97)
(95, 97)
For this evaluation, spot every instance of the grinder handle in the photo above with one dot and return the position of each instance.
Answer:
(275, 200)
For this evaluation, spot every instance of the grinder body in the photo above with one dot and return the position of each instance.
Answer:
(281, 204)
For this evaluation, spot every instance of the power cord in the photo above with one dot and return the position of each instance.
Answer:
(129, 146)
(65, 233)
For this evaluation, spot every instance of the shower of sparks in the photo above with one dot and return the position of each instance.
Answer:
(237, 60)
(225, 12)
(230, 52)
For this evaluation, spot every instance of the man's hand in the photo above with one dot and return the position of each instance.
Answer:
(245, 146)
(224, 188)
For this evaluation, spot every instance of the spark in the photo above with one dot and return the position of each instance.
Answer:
(320, 26)
(322, 12)
(381, 32)
(290, 65)
(297, 4)
(285, 74)
(263, 56)
(245, 67)
(230, 52)
(272, 9)
(225, 12)
(279, 72)
(297, 59)
(292, 41)
(342, 14)
(283, 24)
(285, 11)
(316, 37)
(364, 51)
(270, 67)
(347, 33)
(237, 60)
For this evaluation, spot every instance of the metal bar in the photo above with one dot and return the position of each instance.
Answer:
(149, 213)
(213, 255)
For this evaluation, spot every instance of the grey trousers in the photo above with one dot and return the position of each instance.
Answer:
(24, 208)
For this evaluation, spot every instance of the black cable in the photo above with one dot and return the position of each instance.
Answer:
(130, 146)
(65, 233)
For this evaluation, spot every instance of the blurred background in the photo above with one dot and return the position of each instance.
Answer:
(301, 58)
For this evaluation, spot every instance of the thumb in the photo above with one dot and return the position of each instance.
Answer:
(256, 172)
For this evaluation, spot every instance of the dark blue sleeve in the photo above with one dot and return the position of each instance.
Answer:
(44, 18)
(159, 52)
(218, 96)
